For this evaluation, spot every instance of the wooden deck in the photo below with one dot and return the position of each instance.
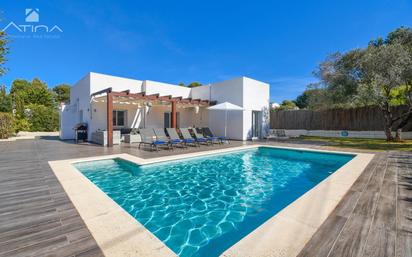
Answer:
(375, 216)
(38, 219)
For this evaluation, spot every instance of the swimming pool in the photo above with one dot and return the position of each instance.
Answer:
(201, 206)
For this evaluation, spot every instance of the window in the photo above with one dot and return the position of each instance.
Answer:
(119, 118)
(168, 119)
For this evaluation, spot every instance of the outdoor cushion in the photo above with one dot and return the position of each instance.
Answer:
(159, 142)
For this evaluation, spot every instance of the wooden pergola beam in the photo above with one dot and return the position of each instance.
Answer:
(109, 119)
(164, 98)
(107, 90)
(152, 97)
(174, 114)
(185, 100)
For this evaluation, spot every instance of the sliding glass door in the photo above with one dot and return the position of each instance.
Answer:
(256, 124)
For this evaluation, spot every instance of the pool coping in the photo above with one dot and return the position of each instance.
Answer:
(119, 234)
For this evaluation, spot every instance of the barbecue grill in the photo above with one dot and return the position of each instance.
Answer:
(80, 132)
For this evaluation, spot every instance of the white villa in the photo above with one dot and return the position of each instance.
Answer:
(110, 103)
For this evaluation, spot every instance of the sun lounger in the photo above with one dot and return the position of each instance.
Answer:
(209, 133)
(149, 138)
(173, 135)
(200, 138)
(277, 134)
(186, 135)
(161, 135)
(200, 132)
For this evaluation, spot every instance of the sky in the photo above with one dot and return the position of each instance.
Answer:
(278, 42)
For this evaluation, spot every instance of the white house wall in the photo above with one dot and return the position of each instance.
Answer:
(101, 81)
(255, 98)
(70, 114)
(202, 92)
(68, 117)
(188, 117)
(247, 93)
(163, 89)
(227, 91)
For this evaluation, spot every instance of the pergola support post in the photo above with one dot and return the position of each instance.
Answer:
(109, 119)
(174, 115)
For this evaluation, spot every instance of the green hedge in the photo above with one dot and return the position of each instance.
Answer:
(43, 118)
(6, 125)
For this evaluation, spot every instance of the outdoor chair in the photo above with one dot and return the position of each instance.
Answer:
(161, 135)
(209, 133)
(277, 134)
(200, 132)
(200, 137)
(186, 135)
(149, 138)
(173, 135)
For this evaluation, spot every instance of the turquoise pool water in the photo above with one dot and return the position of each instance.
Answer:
(202, 206)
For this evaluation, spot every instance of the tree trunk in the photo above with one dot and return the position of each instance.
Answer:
(401, 125)
(388, 123)
(398, 135)
(388, 133)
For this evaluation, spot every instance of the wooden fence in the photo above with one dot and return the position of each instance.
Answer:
(356, 119)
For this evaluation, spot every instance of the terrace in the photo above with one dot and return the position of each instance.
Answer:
(38, 218)
(125, 99)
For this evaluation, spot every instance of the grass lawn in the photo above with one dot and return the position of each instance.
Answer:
(363, 143)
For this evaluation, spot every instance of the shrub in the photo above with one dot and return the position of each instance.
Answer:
(21, 124)
(42, 118)
(6, 125)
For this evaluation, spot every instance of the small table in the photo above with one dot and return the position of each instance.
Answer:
(132, 138)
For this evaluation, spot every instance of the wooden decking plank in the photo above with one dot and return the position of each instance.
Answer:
(347, 204)
(404, 207)
(18, 233)
(37, 248)
(40, 236)
(352, 239)
(364, 178)
(323, 240)
(85, 247)
(404, 243)
(381, 240)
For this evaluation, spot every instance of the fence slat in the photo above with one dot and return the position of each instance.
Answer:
(367, 118)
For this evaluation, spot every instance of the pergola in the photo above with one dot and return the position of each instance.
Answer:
(126, 96)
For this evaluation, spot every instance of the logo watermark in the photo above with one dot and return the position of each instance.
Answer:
(32, 15)
(32, 28)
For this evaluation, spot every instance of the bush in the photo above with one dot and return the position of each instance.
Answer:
(6, 125)
(21, 124)
(43, 118)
